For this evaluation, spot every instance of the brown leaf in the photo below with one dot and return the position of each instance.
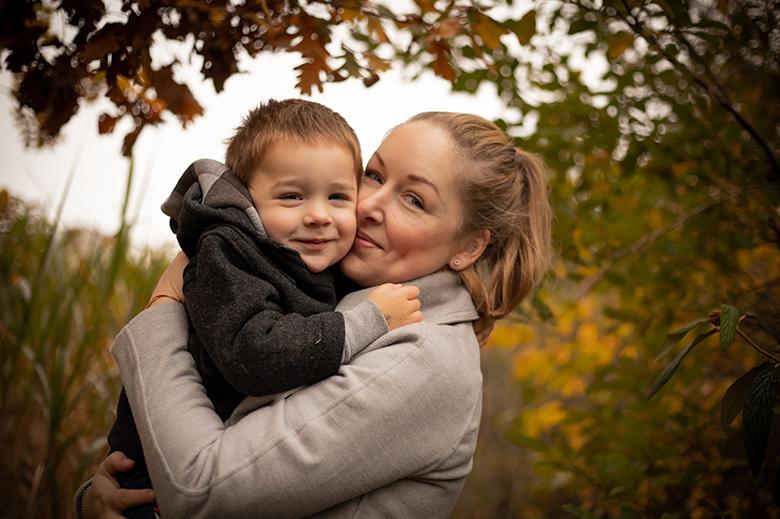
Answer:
(177, 97)
(375, 62)
(489, 30)
(130, 138)
(441, 65)
(106, 123)
(103, 43)
(426, 6)
(315, 62)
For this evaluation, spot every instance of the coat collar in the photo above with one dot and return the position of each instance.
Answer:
(443, 298)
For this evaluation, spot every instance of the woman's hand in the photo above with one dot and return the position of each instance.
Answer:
(400, 304)
(171, 284)
(104, 499)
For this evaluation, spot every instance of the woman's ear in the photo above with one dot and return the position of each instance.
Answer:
(470, 250)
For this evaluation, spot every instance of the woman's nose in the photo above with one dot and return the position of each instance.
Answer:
(317, 214)
(370, 206)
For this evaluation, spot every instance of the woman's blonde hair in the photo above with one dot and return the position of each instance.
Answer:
(504, 190)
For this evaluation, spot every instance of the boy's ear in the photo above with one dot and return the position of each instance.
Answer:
(470, 250)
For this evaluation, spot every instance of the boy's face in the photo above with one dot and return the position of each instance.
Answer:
(306, 194)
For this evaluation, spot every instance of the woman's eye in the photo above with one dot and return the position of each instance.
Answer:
(414, 200)
(372, 175)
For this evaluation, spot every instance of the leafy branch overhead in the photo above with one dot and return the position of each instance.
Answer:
(63, 52)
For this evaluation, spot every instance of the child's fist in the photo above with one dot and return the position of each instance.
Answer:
(398, 303)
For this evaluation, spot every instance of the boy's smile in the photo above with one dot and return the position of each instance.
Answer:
(306, 195)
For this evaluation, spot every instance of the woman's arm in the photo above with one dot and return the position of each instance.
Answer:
(395, 412)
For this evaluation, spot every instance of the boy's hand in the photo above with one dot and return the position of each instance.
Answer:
(398, 303)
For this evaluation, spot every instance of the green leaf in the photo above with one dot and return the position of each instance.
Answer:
(680, 332)
(757, 416)
(734, 398)
(729, 317)
(667, 373)
(581, 25)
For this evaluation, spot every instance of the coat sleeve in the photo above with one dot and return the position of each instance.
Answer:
(396, 411)
(255, 345)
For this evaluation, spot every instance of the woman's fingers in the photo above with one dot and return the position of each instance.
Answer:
(125, 498)
(115, 462)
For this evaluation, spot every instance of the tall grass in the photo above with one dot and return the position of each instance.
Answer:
(64, 295)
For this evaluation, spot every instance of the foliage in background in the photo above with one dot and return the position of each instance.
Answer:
(65, 295)
(85, 49)
(659, 120)
(665, 185)
(754, 393)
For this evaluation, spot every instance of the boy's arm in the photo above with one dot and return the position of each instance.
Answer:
(257, 348)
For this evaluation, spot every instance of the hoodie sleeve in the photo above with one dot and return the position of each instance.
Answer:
(258, 348)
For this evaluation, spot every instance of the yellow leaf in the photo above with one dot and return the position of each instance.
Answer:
(535, 421)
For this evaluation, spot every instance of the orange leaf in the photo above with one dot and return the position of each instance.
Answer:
(315, 61)
(488, 29)
(449, 28)
(375, 62)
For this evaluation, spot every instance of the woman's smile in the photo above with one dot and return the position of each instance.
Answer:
(363, 241)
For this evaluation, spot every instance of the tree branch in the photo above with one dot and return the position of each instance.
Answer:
(711, 92)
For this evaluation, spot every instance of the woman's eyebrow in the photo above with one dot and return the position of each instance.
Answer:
(418, 178)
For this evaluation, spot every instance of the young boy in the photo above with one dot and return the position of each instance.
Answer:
(261, 232)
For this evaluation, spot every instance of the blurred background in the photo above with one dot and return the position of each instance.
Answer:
(658, 121)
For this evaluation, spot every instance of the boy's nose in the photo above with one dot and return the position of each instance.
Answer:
(317, 215)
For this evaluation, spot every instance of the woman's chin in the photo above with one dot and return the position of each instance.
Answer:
(361, 272)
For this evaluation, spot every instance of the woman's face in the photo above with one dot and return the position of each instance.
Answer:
(409, 210)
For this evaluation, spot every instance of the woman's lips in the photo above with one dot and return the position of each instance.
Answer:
(361, 240)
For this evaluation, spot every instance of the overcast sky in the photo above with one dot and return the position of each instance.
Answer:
(162, 153)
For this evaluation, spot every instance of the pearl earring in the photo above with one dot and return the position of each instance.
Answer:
(456, 263)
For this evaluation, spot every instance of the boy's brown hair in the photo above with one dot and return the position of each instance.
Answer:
(305, 121)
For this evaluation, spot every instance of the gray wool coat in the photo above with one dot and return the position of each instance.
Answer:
(392, 434)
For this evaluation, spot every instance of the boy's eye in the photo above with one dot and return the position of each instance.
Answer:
(340, 196)
(290, 196)
(372, 175)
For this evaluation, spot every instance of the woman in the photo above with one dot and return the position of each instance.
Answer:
(447, 204)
